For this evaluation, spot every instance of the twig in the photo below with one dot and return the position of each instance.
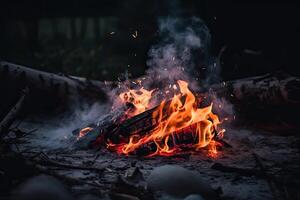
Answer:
(47, 161)
(11, 116)
(273, 188)
(67, 179)
(222, 50)
(241, 171)
(115, 195)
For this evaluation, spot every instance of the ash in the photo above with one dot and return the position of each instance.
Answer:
(259, 165)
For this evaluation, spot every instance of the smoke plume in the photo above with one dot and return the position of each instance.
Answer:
(183, 46)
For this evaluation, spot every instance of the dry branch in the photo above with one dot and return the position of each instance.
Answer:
(49, 162)
(67, 179)
(270, 180)
(241, 171)
(11, 116)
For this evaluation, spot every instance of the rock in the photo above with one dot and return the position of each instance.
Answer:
(164, 196)
(91, 197)
(134, 174)
(42, 187)
(179, 182)
(194, 197)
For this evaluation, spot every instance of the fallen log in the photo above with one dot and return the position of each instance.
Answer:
(273, 89)
(11, 116)
(48, 88)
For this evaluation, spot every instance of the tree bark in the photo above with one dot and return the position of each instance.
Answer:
(48, 90)
(268, 90)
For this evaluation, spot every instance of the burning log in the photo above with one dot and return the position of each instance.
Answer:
(172, 124)
(112, 128)
(96, 132)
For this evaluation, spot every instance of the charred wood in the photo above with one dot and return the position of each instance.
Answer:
(100, 130)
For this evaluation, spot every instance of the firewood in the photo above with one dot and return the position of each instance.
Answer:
(101, 129)
(11, 116)
(113, 130)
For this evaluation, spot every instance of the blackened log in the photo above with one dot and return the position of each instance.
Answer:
(101, 130)
(141, 124)
(183, 139)
(11, 116)
(113, 129)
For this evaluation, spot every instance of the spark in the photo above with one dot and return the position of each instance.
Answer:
(135, 34)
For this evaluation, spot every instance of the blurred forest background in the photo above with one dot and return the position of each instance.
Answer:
(102, 39)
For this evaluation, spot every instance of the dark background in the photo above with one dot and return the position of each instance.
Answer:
(94, 38)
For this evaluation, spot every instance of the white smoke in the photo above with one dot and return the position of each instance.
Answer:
(182, 42)
(55, 132)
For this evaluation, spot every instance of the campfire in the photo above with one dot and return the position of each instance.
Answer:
(129, 100)
(170, 127)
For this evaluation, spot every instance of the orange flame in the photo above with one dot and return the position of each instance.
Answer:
(139, 98)
(171, 117)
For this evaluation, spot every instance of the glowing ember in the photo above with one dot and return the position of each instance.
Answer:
(173, 117)
(139, 98)
(84, 131)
